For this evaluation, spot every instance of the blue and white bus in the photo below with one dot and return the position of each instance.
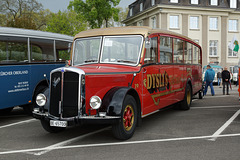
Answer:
(216, 69)
(26, 59)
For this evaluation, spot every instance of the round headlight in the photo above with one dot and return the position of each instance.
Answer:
(41, 99)
(95, 102)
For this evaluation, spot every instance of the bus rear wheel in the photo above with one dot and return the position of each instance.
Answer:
(127, 124)
(186, 103)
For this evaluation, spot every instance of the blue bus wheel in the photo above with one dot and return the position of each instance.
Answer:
(5, 111)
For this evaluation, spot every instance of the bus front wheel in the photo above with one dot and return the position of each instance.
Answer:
(125, 128)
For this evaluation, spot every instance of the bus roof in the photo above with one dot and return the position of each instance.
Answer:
(129, 30)
(17, 32)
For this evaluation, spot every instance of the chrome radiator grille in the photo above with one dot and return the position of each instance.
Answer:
(64, 94)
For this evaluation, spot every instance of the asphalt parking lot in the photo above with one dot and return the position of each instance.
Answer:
(209, 130)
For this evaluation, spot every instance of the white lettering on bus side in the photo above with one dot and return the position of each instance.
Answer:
(6, 73)
(10, 73)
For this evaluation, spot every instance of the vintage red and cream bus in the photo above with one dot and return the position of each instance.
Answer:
(120, 75)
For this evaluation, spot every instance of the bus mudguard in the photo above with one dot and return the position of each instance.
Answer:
(113, 100)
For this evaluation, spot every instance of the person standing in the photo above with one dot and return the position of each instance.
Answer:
(225, 80)
(208, 80)
(219, 77)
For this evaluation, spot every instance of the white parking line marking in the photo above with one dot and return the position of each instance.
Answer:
(13, 124)
(221, 129)
(213, 107)
(52, 147)
(117, 143)
(219, 96)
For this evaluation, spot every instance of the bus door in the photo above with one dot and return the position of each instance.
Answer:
(150, 72)
(14, 74)
(166, 76)
(178, 78)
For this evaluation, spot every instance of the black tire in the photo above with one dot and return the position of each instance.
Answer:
(186, 103)
(6, 111)
(200, 94)
(29, 107)
(50, 129)
(121, 130)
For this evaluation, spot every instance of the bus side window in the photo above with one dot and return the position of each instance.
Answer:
(63, 50)
(36, 54)
(42, 50)
(151, 55)
(178, 51)
(188, 53)
(13, 52)
(195, 55)
(165, 49)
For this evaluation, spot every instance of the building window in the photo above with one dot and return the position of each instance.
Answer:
(131, 9)
(213, 48)
(174, 21)
(153, 22)
(174, 1)
(194, 22)
(153, 2)
(141, 7)
(233, 4)
(140, 23)
(233, 25)
(194, 1)
(213, 22)
(214, 2)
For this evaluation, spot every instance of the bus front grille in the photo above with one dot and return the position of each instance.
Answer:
(64, 94)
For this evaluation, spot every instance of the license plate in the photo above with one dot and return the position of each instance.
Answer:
(58, 123)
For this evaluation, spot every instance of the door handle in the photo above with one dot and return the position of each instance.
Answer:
(144, 70)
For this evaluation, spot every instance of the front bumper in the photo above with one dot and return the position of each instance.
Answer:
(93, 119)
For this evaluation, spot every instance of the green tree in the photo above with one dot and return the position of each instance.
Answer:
(67, 22)
(3, 20)
(96, 12)
(121, 16)
(20, 13)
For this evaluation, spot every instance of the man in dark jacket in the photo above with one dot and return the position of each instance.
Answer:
(226, 80)
(208, 80)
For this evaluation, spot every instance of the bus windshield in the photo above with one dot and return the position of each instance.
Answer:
(108, 49)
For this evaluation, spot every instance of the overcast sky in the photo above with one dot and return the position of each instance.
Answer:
(56, 5)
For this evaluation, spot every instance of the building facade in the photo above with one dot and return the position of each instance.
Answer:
(211, 23)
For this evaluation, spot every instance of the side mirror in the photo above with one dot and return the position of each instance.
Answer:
(147, 43)
(68, 63)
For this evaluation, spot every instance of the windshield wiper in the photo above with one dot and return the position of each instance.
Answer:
(125, 61)
(90, 60)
